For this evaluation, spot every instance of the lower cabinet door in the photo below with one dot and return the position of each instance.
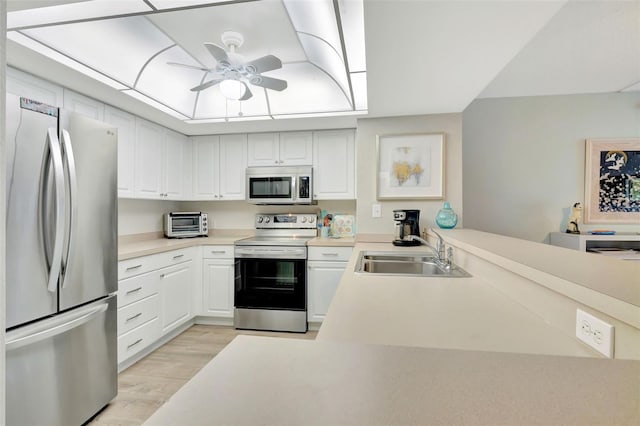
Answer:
(217, 281)
(322, 281)
(175, 294)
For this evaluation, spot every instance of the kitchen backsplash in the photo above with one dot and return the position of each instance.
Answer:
(141, 216)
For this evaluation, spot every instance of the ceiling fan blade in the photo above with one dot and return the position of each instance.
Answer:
(264, 64)
(206, 85)
(268, 82)
(247, 94)
(191, 67)
(217, 52)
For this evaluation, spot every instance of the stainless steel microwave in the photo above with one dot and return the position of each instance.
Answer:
(185, 224)
(280, 185)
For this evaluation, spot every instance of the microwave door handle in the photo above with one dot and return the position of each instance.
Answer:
(73, 200)
(294, 194)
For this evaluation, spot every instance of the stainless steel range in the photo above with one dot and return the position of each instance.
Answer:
(271, 273)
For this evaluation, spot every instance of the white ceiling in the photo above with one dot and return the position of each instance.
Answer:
(426, 57)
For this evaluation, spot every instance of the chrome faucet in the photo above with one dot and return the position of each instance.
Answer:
(443, 260)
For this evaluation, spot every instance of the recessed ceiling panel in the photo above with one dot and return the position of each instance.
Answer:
(317, 18)
(168, 84)
(118, 47)
(310, 90)
(264, 25)
(326, 58)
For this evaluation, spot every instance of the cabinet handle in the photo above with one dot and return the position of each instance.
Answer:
(131, 268)
(133, 291)
(134, 343)
(330, 254)
(218, 252)
(133, 317)
(178, 256)
(221, 196)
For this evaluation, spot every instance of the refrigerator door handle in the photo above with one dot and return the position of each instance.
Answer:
(73, 199)
(54, 155)
(48, 329)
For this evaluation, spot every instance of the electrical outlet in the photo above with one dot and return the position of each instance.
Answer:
(595, 333)
(376, 210)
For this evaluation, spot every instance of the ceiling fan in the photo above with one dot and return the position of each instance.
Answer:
(234, 72)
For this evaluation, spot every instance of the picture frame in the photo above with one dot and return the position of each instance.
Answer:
(410, 166)
(612, 181)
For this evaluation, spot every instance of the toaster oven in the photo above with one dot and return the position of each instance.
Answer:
(185, 224)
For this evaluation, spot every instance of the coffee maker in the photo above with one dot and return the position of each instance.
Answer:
(407, 222)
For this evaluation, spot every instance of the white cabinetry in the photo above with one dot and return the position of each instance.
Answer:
(334, 165)
(83, 105)
(280, 149)
(217, 281)
(622, 245)
(219, 164)
(154, 297)
(325, 268)
(22, 84)
(126, 124)
(161, 162)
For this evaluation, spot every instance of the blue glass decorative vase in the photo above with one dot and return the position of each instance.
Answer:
(446, 217)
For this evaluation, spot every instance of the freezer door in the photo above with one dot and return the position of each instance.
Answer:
(30, 197)
(89, 267)
(62, 370)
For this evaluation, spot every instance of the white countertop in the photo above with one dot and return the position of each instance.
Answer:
(451, 313)
(273, 381)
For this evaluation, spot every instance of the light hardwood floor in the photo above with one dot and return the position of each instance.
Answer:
(146, 385)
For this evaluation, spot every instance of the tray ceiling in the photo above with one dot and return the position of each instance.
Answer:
(127, 45)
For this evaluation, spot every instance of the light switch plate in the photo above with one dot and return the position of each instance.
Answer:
(595, 333)
(376, 210)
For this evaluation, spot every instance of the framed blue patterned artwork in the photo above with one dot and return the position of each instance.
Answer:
(612, 181)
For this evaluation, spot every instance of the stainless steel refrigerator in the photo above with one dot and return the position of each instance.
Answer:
(61, 265)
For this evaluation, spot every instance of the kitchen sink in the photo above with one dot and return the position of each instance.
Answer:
(409, 264)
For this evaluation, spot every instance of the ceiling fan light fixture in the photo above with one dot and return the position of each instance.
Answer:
(232, 89)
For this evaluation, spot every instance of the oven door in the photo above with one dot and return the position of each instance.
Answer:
(262, 283)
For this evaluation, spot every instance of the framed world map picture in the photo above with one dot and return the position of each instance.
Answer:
(612, 181)
(410, 166)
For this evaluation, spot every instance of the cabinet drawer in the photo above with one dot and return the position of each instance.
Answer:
(137, 288)
(341, 254)
(137, 313)
(217, 252)
(140, 265)
(137, 339)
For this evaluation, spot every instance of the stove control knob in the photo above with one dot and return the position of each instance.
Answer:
(304, 219)
(260, 219)
(267, 219)
(312, 219)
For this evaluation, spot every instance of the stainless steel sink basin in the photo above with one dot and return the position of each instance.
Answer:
(409, 264)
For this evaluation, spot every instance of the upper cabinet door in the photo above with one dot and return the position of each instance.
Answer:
(37, 89)
(296, 149)
(149, 159)
(205, 173)
(126, 124)
(232, 163)
(83, 105)
(334, 165)
(263, 149)
(177, 166)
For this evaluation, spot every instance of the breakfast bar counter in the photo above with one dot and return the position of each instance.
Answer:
(429, 350)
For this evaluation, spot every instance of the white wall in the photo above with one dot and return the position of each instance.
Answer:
(368, 129)
(523, 158)
(141, 216)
